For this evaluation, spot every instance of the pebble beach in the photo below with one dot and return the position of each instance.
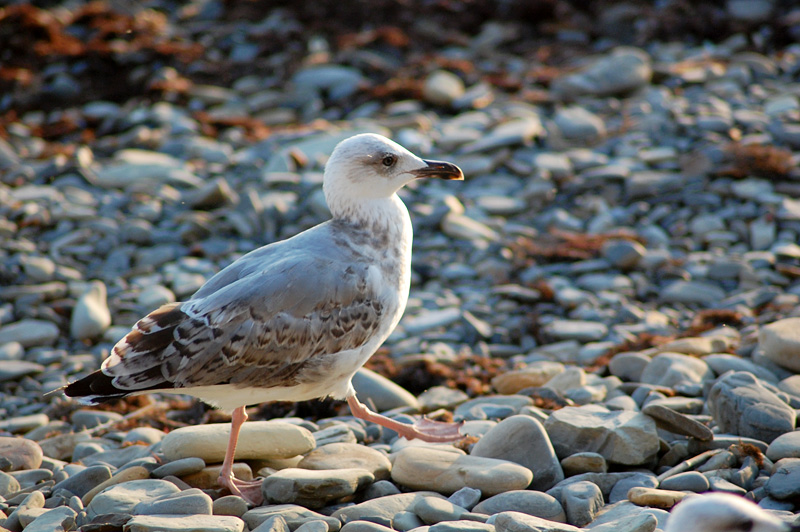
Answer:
(610, 301)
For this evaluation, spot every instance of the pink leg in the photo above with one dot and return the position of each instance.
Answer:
(248, 490)
(424, 429)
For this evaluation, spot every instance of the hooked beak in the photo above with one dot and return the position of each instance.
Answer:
(440, 170)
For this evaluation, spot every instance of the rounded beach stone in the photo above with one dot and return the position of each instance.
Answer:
(688, 481)
(528, 502)
(8, 484)
(365, 526)
(383, 393)
(53, 520)
(532, 375)
(229, 505)
(432, 510)
(81, 482)
(780, 342)
(442, 87)
(179, 523)
(677, 423)
(383, 509)
(785, 480)
(90, 316)
(313, 488)
(581, 501)
(621, 437)
(180, 467)
(585, 462)
(741, 405)
(447, 472)
(21, 453)
(191, 502)
(348, 456)
(121, 476)
(655, 497)
(293, 515)
(258, 439)
(785, 446)
(123, 498)
(520, 522)
(670, 369)
(523, 440)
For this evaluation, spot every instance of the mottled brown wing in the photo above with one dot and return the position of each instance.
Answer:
(263, 327)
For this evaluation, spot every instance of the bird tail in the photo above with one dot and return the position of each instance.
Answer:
(94, 389)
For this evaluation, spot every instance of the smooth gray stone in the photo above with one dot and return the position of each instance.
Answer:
(229, 505)
(693, 292)
(624, 516)
(313, 526)
(581, 501)
(87, 419)
(383, 508)
(461, 526)
(720, 484)
(363, 526)
(621, 437)
(11, 370)
(28, 333)
(780, 341)
(384, 393)
(689, 481)
(585, 462)
(466, 497)
(180, 467)
(405, 521)
(621, 71)
(785, 480)
(181, 523)
(621, 488)
(61, 518)
(118, 457)
(519, 522)
(671, 369)
(8, 484)
(785, 446)
(314, 488)
(81, 482)
(677, 423)
(276, 523)
(292, 514)
(123, 498)
(742, 405)
(523, 440)
(381, 488)
(528, 502)
(192, 501)
(723, 362)
(433, 510)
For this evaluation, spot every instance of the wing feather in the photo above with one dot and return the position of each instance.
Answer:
(258, 325)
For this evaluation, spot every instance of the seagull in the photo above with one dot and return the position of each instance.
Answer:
(723, 512)
(293, 320)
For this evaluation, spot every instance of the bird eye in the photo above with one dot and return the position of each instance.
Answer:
(388, 160)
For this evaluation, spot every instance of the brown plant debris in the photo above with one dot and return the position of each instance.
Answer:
(748, 449)
(558, 245)
(469, 373)
(758, 160)
(708, 319)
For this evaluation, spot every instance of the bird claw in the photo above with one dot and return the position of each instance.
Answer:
(249, 490)
(431, 431)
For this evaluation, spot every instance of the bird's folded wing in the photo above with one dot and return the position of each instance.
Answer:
(263, 326)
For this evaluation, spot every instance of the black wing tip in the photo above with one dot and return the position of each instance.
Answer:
(95, 388)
